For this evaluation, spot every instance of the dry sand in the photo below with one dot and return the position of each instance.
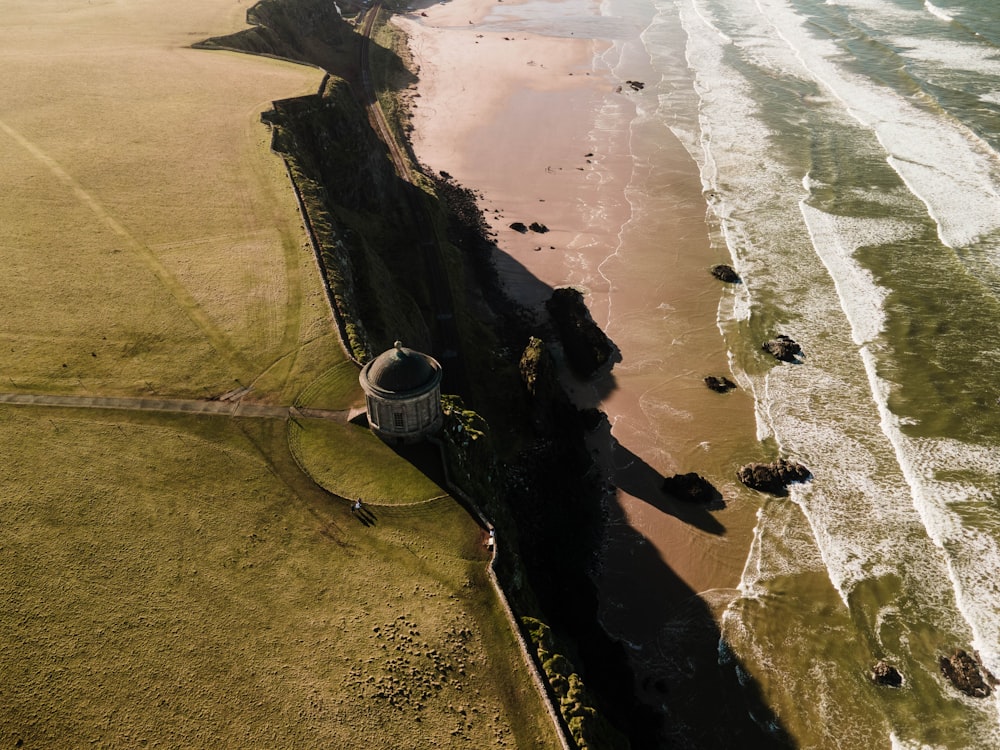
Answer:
(530, 123)
(510, 114)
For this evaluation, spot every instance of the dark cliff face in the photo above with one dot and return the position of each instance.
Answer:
(310, 31)
(360, 212)
(363, 217)
(329, 135)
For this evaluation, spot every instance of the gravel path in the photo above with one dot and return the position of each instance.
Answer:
(236, 408)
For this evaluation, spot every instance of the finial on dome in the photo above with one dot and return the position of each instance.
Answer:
(398, 345)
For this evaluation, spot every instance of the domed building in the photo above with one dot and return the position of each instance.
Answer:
(402, 394)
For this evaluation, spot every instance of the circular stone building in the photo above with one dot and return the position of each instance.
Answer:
(402, 394)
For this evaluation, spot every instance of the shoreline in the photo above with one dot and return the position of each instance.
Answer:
(545, 96)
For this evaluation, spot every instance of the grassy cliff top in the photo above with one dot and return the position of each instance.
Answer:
(177, 580)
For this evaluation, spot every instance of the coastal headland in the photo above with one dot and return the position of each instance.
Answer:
(401, 257)
(181, 566)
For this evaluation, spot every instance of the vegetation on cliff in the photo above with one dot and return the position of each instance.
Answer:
(590, 729)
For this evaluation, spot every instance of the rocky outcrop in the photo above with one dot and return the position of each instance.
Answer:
(587, 348)
(883, 673)
(691, 488)
(538, 227)
(538, 370)
(726, 273)
(773, 477)
(782, 347)
(538, 373)
(967, 674)
(720, 385)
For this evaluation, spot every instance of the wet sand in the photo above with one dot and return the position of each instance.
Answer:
(543, 134)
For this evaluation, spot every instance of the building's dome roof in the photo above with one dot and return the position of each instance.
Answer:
(401, 370)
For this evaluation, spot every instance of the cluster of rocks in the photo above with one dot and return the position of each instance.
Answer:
(691, 487)
(963, 670)
(774, 477)
(520, 226)
(967, 673)
(783, 348)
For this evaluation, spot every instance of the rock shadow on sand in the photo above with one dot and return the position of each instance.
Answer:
(637, 478)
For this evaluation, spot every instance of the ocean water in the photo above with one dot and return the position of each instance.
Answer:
(849, 152)
(849, 158)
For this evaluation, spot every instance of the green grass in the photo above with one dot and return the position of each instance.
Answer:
(337, 388)
(178, 581)
(349, 461)
(218, 600)
(162, 253)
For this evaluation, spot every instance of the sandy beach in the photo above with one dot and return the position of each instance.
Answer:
(540, 127)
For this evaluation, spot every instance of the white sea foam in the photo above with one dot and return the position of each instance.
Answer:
(900, 744)
(936, 11)
(832, 412)
(942, 162)
(876, 12)
(845, 488)
(971, 556)
(952, 55)
(703, 17)
(835, 239)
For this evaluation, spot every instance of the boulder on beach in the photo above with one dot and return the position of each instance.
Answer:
(883, 673)
(691, 487)
(725, 273)
(519, 226)
(635, 85)
(537, 227)
(784, 348)
(773, 477)
(967, 673)
(719, 385)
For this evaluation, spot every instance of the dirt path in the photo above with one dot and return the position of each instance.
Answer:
(445, 332)
(234, 408)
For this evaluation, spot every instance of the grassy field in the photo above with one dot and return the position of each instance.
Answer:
(177, 580)
(178, 583)
(149, 237)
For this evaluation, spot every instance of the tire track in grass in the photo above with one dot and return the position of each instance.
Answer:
(291, 242)
(219, 341)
